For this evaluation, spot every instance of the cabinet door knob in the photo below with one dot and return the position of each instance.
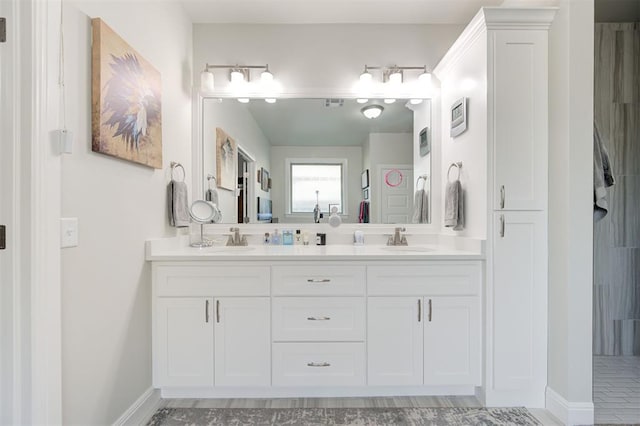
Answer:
(502, 226)
(322, 280)
(318, 318)
(217, 311)
(206, 311)
(318, 364)
(502, 196)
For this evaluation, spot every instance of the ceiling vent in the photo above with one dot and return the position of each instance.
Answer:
(333, 103)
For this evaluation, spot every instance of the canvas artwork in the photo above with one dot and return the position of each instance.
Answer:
(126, 100)
(226, 160)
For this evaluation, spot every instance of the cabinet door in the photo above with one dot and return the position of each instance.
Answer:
(452, 340)
(394, 339)
(243, 341)
(184, 342)
(519, 81)
(518, 300)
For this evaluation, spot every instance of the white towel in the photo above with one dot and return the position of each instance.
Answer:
(178, 203)
(420, 207)
(453, 206)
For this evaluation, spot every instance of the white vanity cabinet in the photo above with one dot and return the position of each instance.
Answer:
(424, 324)
(276, 328)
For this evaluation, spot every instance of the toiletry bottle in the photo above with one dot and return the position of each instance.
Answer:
(297, 238)
(305, 238)
(275, 238)
(287, 237)
(267, 238)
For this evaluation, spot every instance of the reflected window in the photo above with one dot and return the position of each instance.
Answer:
(307, 178)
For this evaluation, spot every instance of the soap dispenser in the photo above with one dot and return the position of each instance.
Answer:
(275, 238)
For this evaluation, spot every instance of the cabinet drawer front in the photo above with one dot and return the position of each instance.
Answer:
(318, 364)
(321, 280)
(318, 318)
(197, 280)
(447, 279)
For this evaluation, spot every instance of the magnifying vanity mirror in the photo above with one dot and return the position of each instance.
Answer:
(274, 162)
(203, 212)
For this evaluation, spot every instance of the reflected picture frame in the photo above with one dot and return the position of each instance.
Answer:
(364, 177)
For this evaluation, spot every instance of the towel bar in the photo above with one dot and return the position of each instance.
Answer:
(175, 165)
(424, 179)
(456, 164)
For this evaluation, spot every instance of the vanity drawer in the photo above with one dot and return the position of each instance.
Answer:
(203, 280)
(318, 318)
(433, 279)
(318, 364)
(318, 280)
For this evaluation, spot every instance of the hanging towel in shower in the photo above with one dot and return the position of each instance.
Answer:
(178, 203)
(602, 176)
(453, 206)
(420, 207)
(363, 216)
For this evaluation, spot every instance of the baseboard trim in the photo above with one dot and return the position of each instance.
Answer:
(141, 410)
(569, 413)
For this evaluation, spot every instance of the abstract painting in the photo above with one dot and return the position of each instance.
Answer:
(226, 160)
(126, 118)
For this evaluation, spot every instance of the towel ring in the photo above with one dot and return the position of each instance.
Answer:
(458, 165)
(174, 166)
(211, 177)
(424, 180)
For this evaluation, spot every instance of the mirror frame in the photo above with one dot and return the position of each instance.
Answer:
(197, 176)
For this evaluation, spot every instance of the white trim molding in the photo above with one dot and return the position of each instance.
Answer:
(141, 410)
(569, 413)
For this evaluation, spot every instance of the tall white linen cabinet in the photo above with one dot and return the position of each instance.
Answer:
(506, 51)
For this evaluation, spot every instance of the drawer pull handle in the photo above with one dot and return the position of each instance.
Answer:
(318, 318)
(322, 280)
(318, 364)
(419, 310)
(503, 194)
(430, 310)
(206, 311)
(217, 311)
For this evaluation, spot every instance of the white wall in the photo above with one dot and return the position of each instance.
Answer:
(106, 290)
(423, 165)
(467, 77)
(236, 120)
(353, 155)
(320, 58)
(385, 149)
(570, 200)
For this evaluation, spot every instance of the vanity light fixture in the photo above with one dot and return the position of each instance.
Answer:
(394, 76)
(389, 100)
(270, 100)
(362, 100)
(415, 101)
(239, 76)
(372, 111)
(366, 77)
(243, 100)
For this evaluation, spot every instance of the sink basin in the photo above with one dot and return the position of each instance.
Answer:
(408, 249)
(228, 249)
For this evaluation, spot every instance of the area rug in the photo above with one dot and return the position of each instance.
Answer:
(343, 416)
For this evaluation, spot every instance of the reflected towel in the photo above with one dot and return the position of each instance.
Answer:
(453, 206)
(363, 216)
(178, 203)
(420, 207)
(602, 176)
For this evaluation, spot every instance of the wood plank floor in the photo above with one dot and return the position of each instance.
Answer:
(542, 415)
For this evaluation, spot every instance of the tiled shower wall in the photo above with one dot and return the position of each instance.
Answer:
(617, 236)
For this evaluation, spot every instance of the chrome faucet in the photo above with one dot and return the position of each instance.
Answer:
(397, 239)
(236, 239)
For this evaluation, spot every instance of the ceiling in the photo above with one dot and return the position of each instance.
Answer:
(335, 11)
(307, 122)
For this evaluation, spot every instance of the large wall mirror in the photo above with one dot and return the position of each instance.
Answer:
(275, 162)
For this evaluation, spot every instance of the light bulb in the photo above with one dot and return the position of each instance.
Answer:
(366, 78)
(237, 77)
(270, 100)
(425, 79)
(389, 101)
(266, 77)
(395, 78)
(415, 101)
(206, 81)
(243, 100)
(362, 101)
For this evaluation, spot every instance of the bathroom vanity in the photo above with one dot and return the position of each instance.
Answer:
(316, 321)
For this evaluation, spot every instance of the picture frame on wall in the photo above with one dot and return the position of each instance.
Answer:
(365, 178)
(264, 180)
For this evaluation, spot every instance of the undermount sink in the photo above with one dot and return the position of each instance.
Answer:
(228, 249)
(407, 249)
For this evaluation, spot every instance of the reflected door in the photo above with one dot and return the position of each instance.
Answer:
(396, 198)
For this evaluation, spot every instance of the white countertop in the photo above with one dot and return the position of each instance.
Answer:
(176, 250)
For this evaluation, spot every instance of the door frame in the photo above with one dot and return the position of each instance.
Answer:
(34, 342)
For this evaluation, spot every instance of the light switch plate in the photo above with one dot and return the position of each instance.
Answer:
(68, 232)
